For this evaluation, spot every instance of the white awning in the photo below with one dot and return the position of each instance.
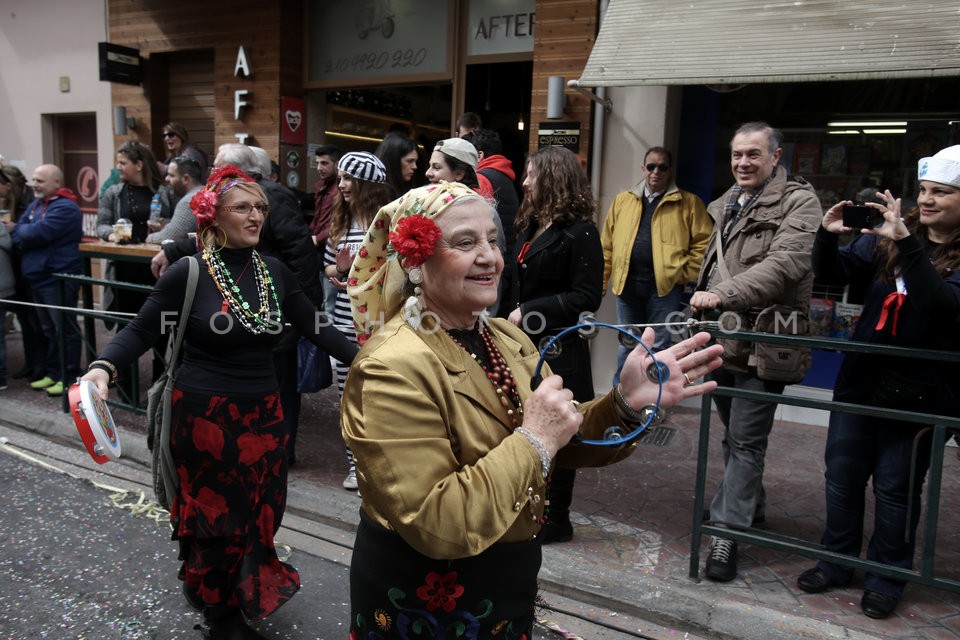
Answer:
(722, 42)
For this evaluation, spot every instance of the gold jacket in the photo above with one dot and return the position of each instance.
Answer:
(436, 458)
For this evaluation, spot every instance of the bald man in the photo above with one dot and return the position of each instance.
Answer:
(48, 235)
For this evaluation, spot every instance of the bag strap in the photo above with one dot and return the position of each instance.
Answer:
(192, 276)
(721, 265)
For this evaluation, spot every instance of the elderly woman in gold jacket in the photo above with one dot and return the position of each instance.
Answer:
(453, 446)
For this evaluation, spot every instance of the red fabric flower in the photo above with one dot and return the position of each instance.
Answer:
(440, 591)
(414, 239)
(204, 206)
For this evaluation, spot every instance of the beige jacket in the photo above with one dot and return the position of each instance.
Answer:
(767, 256)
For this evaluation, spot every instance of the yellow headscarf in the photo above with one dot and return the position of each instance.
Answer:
(376, 278)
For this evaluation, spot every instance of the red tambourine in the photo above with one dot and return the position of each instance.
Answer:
(94, 422)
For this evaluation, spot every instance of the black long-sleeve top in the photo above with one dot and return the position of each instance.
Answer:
(219, 356)
(929, 317)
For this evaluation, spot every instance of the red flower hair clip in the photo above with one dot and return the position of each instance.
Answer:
(414, 238)
(204, 206)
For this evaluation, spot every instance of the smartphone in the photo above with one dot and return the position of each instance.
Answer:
(860, 216)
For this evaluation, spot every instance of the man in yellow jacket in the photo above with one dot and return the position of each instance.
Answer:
(654, 238)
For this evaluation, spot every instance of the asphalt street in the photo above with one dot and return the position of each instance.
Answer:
(85, 555)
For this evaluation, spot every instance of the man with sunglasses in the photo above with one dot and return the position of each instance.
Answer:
(654, 238)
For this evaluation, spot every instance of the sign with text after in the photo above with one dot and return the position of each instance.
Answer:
(559, 134)
(500, 26)
(354, 42)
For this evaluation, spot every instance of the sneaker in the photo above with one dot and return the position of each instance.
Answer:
(722, 561)
(43, 383)
(56, 389)
(350, 482)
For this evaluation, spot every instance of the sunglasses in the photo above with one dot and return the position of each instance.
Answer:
(169, 134)
(653, 165)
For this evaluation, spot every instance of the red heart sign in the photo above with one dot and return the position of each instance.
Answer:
(294, 118)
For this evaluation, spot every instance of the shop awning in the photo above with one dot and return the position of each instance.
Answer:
(719, 42)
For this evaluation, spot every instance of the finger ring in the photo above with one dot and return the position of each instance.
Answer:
(575, 403)
(687, 378)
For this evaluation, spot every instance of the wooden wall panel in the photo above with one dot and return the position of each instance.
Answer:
(270, 32)
(564, 37)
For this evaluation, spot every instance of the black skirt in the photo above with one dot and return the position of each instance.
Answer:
(232, 464)
(397, 592)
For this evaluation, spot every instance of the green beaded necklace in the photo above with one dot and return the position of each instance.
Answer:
(256, 322)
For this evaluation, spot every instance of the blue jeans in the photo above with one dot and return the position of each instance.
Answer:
(640, 304)
(329, 295)
(53, 322)
(858, 448)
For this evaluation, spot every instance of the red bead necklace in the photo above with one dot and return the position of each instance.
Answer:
(499, 375)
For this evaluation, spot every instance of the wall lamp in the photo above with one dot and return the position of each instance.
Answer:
(556, 99)
(122, 122)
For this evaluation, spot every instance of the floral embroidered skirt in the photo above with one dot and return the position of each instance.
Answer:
(232, 466)
(396, 592)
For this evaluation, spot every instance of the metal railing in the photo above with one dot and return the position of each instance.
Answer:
(938, 425)
(89, 335)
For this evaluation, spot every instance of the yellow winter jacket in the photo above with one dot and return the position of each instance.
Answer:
(680, 232)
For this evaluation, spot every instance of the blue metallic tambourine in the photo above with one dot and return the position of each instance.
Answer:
(657, 372)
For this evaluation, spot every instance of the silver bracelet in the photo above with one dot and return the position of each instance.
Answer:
(540, 448)
(628, 413)
(649, 414)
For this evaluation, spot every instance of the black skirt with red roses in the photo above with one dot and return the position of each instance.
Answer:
(397, 592)
(231, 461)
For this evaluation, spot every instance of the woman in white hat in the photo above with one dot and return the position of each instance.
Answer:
(910, 264)
(362, 190)
(455, 160)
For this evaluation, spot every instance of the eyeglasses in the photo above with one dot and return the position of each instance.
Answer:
(169, 134)
(245, 209)
(663, 167)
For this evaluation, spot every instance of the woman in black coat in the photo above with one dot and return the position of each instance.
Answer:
(554, 276)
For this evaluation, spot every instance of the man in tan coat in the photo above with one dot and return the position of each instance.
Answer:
(757, 271)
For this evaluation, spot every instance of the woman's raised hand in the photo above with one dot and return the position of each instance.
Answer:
(892, 226)
(833, 218)
(686, 361)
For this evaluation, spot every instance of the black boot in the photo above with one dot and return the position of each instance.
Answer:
(557, 528)
(226, 623)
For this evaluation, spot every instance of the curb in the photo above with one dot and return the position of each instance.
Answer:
(668, 601)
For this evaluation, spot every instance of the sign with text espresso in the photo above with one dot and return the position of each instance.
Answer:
(357, 43)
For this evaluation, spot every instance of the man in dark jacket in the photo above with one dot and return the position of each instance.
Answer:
(497, 170)
(757, 270)
(48, 235)
(285, 236)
